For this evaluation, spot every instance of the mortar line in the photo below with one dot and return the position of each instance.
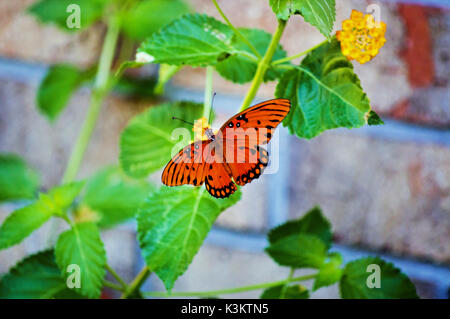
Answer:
(428, 3)
(393, 130)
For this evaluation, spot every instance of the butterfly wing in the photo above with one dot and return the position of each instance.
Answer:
(188, 166)
(245, 172)
(244, 132)
(218, 181)
(195, 164)
(264, 116)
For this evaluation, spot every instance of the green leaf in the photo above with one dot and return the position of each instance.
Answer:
(172, 225)
(146, 143)
(194, 39)
(325, 93)
(374, 119)
(35, 277)
(330, 272)
(148, 17)
(60, 198)
(298, 251)
(22, 222)
(113, 197)
(57, 87)
(393, 283)
(17, 180)
(59, 13)
(241, 69)
(319, 13)
(83, 246)
(291, 292)
(312, 223)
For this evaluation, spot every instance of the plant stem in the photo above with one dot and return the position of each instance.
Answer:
(293, 57)
(288, 280)
(113, 285)
(263, 65)
(137, 282)
(166, 72)
(98, 93)
(236, 31)
(208, 93)
(122, 283)
(228, 291)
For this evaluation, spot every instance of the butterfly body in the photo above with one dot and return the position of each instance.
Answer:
(210, 134)
(230, 156)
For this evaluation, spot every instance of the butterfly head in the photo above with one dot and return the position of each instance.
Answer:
(210, 134)
(202, 130)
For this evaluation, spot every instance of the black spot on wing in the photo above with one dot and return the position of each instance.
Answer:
(223, 192)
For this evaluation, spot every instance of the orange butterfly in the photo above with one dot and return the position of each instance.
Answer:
(232, 153)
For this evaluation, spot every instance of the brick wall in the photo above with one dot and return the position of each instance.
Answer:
(385, 189)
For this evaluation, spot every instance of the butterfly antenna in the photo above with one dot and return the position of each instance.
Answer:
(176, 118)
(212, 106)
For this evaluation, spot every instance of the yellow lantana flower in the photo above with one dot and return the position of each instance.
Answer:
(200, 127)
(361, 37)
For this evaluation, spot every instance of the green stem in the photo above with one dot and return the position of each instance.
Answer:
(166, 72)
(293, 57)
(288, 280)
(286, 66)
(98, 93)
(137, 283)
(122, 283)
(208, 93)
(236, 31)
(263, 65)
(228, 291)
(112, 285)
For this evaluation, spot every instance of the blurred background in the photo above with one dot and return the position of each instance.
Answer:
(385, 189)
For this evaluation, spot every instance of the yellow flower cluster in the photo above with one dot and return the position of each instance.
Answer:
(200, 126)
(361, 37)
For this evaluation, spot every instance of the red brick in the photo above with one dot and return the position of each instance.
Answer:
(418, 48)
